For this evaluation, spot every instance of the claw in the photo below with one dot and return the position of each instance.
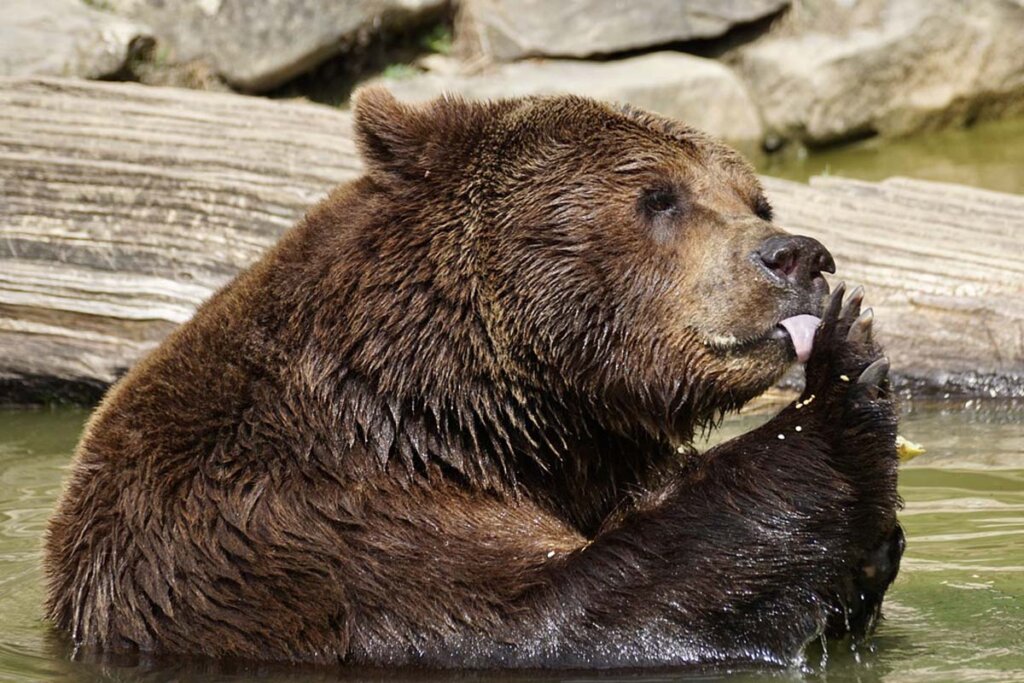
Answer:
(834, 302)
(873, 376)
(851, 308)
(860, 330)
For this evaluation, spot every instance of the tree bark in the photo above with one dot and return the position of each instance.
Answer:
(122, 207)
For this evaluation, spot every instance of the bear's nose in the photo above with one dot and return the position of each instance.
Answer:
(795, 258)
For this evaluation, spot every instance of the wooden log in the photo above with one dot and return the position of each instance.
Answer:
(943, 266)
(122, 207)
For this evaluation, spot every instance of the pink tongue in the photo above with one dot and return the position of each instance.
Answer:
(801, 330)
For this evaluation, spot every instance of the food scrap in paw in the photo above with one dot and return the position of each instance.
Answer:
(806, 401)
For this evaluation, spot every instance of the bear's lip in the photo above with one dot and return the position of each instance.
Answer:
(796, 332)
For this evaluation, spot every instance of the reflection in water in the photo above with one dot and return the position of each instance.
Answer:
(988, 155)
(955, 613)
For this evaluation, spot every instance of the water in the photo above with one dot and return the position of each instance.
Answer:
(989, 155)
(956, 611)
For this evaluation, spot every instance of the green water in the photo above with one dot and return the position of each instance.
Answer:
(989, 155)
(955, 613)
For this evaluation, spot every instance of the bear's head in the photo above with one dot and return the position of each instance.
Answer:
(618, 260)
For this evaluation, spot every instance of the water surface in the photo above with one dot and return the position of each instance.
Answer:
(956, 612)
(988, 155)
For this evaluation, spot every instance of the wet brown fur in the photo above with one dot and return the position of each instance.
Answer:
(438, 423)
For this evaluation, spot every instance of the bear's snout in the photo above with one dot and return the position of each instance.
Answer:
(795, 259)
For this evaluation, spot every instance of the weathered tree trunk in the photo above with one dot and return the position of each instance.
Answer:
(943, 266)
(122, 207)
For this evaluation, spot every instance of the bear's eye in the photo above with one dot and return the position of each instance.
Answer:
(762, 208)
(660, 200)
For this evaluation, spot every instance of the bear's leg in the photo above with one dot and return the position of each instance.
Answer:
(858, 598)
(766, 542)
(848, 390)
(847, 401)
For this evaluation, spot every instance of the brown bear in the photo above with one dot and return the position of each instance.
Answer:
(446, 421)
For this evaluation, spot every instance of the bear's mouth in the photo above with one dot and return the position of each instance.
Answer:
(800, 330)
(796, 332)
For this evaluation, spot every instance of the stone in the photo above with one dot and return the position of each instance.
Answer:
(890, 67)
(701, 92)
(62, 38)
(505, 30)
(256, 46)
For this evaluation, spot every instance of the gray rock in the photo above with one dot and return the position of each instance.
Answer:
(895, 67)
(506, 30)
(701, 92)
(256, 46)
(62, 38)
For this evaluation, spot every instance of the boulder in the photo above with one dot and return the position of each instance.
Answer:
(506, 30)
(62, 38)
(256, 46)
(891, 67)
(702, 92)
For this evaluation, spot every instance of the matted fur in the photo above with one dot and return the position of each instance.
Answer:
(445, 422)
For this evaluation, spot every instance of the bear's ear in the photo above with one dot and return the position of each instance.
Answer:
(405, 140)
(390, 135)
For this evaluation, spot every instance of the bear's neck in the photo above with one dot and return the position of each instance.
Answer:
(578, 471)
